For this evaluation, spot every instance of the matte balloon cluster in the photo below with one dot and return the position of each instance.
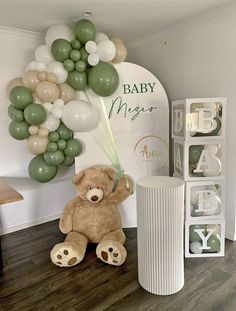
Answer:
(45, 107)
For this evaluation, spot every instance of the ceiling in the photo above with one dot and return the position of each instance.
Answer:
(129, 19)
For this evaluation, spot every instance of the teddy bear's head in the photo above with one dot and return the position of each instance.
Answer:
(94, 183)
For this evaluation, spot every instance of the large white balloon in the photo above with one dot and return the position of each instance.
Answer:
(59, 71)
(58, 32)
(80, 116)
(100, 36)
(50, 123)
(43, 54)
(106, 50)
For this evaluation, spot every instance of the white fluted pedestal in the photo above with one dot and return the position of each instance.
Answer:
(160, 216)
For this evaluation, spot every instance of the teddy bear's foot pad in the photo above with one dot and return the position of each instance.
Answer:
(64, 255)
(111, 252)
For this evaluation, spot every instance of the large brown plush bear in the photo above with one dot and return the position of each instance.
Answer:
(93, 217)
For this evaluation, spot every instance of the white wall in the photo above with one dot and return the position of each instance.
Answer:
(198, 59)
(42, 202)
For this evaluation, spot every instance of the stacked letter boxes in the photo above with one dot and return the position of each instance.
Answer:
(198, 130)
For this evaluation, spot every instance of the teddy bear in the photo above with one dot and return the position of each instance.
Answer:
(93, 217)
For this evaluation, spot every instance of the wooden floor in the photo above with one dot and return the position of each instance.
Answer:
(31, 282)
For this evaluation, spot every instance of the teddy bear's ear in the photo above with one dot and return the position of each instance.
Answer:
(78, 177)
(110, 172)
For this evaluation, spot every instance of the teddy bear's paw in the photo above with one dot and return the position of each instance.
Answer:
(65, 255)
(111, 252)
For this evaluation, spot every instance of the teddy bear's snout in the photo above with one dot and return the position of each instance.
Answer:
(94, 195)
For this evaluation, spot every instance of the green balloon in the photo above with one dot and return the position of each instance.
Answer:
(54, 136)
(19, 130)
(64, 132)
(84, 55)
(214, 244)
(69, 65)
(68, 161)
(103, 79)
(85, 31)
(215, 132)
(75, 44)
(54, 158)
(51, 147)
(15, 114)
(61, 144)
(73, 148)
(61, 49)
(80, 66)
(20, 97)
(195, 153)
(40, 171)
(75, 55)
(77, 80)
(194, 236)
(35, 114)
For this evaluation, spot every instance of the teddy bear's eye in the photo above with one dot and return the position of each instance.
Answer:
(98, 188)
(90, 188)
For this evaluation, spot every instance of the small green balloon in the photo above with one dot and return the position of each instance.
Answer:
(84, 55)
(61, 49)
(35, 114)
(61, 144)
(54, 136)
(51, 147)
(195, 153)
(40, 171)
(214, 243)
(19, 130)
(54, 158)
(194, 236)
(15, 114)
(103, 79)
(21, 97)
(64, 132)
(80, 66)
(85, 31)
(77, 80)
(75, 44)
(68, 161)
(75, 55)
(69, 65)
(73, 148)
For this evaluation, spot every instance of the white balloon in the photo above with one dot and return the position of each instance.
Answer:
(50, 123)
(106, 50)
(41, 66)
(36, 99)
(57, 113)
(93, 59)
(80, 116)
(91, 47)
(58, 32)
(58, 103)
(43, 54)
(100, 36)
(36, 66)
(195, 247)
(59, 71)
(48, 106)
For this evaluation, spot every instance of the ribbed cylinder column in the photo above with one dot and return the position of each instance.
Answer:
(160, 216)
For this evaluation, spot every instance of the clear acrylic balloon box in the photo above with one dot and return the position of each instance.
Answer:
(205, 238)
(199, 118)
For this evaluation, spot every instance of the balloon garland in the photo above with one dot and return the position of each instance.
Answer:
(45, 109)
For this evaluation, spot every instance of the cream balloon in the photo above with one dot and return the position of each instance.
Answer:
(43, 132)
(43, 76)
(58, 31)
(43, 54)
(50, 123)
(57, 113)
(51, 77)
(47, 91)
(100, 36)
(33, 129)
(59, 71)
(121, 51)
(37, 144)
(30, 79)
(106, 50)
(67, 93)
(48, 106)
(80, 116)
(59, 103)
(13, 83)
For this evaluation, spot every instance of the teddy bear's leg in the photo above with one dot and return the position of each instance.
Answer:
(111, 249)
(71, 252)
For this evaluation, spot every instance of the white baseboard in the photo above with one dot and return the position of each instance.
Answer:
(30, 224)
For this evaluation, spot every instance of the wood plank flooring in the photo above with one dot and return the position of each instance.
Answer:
(30, 282)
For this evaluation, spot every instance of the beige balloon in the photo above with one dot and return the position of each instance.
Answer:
(116, 39)
(43, 132)
(121, 52)
(42, 76)
(67, 92)
(13, 83)
(47, 91)
(37, 144)
(51, 77)
(30, 79)
(33, 129)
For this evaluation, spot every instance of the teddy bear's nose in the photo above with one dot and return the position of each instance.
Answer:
(94, 198)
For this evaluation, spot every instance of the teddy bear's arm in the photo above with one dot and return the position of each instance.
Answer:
(121, 192)
(65, 223)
